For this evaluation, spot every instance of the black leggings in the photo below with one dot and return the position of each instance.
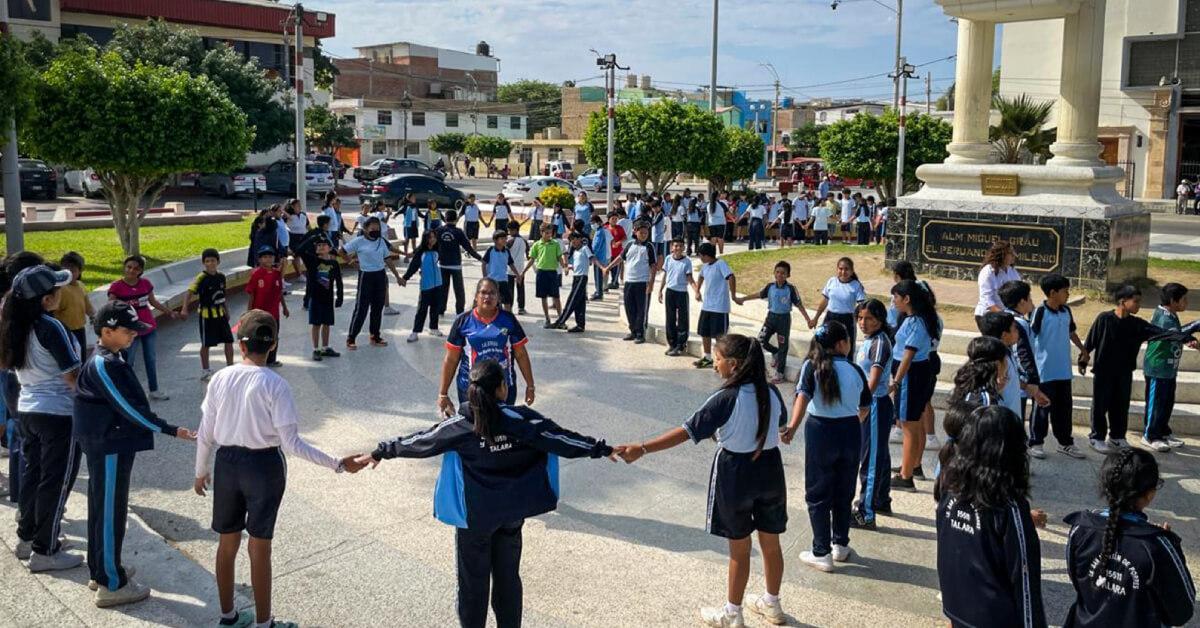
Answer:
(489, 561)
(427, 305)
(451, 277)
(372, 294)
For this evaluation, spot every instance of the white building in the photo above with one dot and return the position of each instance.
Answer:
(380, 125)
(845, 111)
(1150, 95)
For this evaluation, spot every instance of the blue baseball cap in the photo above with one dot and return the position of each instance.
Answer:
(38, 281)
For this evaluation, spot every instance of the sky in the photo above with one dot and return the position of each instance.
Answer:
(809, 45)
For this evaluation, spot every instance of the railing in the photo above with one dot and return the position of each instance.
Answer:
(1126, 187)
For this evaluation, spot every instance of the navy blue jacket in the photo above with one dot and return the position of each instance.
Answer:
(485, 486)
(1145, 583)
(451, 243)
(989, 565)
(112, 415)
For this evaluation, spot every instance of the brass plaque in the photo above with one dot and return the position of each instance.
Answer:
(1000, 184)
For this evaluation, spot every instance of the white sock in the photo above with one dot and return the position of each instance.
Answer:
(707, 356)
(265, 624)
(230, 615)
(732, 609)
(770, 599)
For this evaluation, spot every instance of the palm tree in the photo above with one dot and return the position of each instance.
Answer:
(1020, 128)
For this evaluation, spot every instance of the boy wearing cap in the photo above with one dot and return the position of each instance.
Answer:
(249, 417)
(113, 421)
(265, 288)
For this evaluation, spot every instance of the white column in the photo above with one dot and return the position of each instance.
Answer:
(972, 92)
(1079, 87)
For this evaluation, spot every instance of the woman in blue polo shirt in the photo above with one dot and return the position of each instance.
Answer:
(500, 466)
(485, 332)
(913, 376)
(840, 298)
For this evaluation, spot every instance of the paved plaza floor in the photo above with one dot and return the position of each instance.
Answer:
(626, 546)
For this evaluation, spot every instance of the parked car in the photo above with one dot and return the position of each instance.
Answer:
(389, 165)
(595, 180)
(230, 184)
(281, 177)
(339, 168)
(392, 188)
(85, 182)
(37, 179)
(559, 169)
(528, 188)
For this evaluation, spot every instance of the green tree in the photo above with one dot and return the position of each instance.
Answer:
(250, 88)
(326, 131)
(324, 71)
(487, 148)
(946, 101)
(657, 141)
(451, 145)
(739, 158)
(19, 80)
(805, 141)
(865, 147)
(134, 125)
(1020, 128)
(543, 100)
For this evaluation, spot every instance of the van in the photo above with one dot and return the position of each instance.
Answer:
(560, 169)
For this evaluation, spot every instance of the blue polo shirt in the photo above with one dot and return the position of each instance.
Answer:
(495, 264)
(581, 258)
(431, 275)
(913, 335)
(780, 299)
(584, 212)
(853, 393)
(843, 297)
(876, 351)
(677, 272)
(371, 253)
(1050, 332)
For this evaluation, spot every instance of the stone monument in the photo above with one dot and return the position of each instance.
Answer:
(1064, 217)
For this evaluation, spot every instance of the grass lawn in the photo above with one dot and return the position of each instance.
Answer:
(812, 266)
(160, 245)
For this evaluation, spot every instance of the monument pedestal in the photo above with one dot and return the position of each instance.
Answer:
(1060, 219)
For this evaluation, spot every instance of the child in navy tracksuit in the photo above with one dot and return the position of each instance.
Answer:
(834, 395)
(500, 467)
(112, 422)
(875, 359)
(425, 259)
(1127, 571)
(988, 552)
(746, 492)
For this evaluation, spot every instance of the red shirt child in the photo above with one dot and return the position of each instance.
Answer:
(266, 287)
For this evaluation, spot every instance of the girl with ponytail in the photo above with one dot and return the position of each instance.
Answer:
(746, 491)
(832, 398)
(1127, 571)
(500, 467)
(913, 374)
(983, 376)
(874, 357)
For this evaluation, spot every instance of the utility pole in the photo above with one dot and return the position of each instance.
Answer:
(899, 60)
(712, 80)
(609, 63)
(774, 114)
(14, 228)
(906, 71)
(928, 93)
(405, 105)
(301, 153)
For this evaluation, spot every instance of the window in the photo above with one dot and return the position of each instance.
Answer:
(493, 122)
(451, 120)
(580, 158)
(413, 148)
(384, 118)
(526, 154)
(514, 122)
(350, 119)
(555, 154)
(379, 147)
(418, 118)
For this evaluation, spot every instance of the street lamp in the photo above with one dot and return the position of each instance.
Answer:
(899, 11)
(405, 105)
(609, 63)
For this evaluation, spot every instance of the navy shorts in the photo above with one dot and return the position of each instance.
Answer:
(410, 232)
(548, 283)
(746, 494)
(320, 313)
(915, 390)
(472, 229)
(712, 324)
(215, 331)
(506, 292)
(787, 231)
(660, 250)
(716, 231)
(247, 488)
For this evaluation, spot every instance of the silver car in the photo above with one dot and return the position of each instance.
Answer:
(230, 184)
(281, 177)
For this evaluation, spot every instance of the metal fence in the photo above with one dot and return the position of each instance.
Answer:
(1189, 170)
(1126, 187)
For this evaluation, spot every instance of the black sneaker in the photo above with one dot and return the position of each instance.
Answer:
(917, 473)
(883, 510)
(316, 355)
(547, 325)
(901, 484)
(575, 330)
(860, 521)
(330, 353)
(639, 340)
(629, 337)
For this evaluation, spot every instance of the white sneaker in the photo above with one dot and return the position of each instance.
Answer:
(840, 553)
(159, 395)
(57, 561)
(129, 573)
(206, 375)
(772, 612)
(718, 618)
(24, 550)
(128, 594)
(1037, 452)
(388, 310)
(897, 436)
(1100, 446)
(1157, 445)
(436, 332)
(1071, 451)
(932, 442)
(412, 337)
(1118, 443)
(1174, 442)
(820, 563)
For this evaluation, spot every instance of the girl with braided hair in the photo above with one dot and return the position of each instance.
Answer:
(981, 378)
(1127, 571)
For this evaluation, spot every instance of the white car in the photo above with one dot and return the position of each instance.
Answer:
(528, 188)
(85, 182)
(229, 184)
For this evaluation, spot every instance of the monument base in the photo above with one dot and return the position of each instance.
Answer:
(1065, 220)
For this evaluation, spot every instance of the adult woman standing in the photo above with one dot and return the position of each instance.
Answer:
(45, 359)
(489, 333)
(998, 268)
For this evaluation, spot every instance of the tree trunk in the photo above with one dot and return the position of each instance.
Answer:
(124, 194)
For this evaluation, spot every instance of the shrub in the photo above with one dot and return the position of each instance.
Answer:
(557, 196)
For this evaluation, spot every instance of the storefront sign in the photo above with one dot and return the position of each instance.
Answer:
(965, 242)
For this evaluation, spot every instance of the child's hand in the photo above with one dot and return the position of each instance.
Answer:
(1039, 517)
(185, 434)
(631, 452)
(660, 297)
(1041, 399)
(1165, 526)
(787, 434)
(337, 303)
(354, 463)
(200, 485)
(286, 313)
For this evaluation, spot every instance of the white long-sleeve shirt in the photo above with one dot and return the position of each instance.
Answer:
(989, 287)
(251, 406)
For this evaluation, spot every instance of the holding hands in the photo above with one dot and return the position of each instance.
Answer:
(185, 434)
(630, 453)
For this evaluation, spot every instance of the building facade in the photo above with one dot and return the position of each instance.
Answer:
(1150, 94)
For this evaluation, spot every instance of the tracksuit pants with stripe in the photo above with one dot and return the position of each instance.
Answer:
(776, 325)
(489, 561)
(576, 302)
(372, 295)
(598, 274)
(108, 506)
(51, 461)
(1110, 403)
(677, 318)
(1056, 417)
(831, 458)
(636, 302)
(1160, 403)
(12, 433)
(452, 277)
(874, 470)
